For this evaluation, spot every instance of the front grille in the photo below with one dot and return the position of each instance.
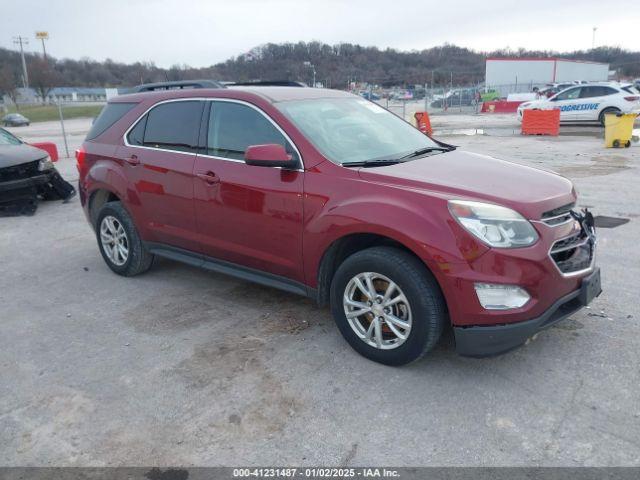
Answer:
(18, 172)
(558, 215)
(574, 253)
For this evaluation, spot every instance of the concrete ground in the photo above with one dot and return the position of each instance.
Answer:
(187, 367)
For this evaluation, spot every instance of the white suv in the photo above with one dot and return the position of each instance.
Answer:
(589, 102)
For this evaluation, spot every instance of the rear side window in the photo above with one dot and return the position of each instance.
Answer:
(173, 126)
(596, 91)
(233, 127)
(136, 135)
(110, 114)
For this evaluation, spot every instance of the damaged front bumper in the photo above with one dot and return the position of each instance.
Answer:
(493, 340)
(21, 187)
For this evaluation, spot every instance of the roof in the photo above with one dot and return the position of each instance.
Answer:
(541, 59)
(270, 94)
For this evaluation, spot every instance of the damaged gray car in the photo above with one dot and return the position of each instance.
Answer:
(27, 175)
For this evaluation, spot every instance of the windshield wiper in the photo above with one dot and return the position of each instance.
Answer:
(380, 162)
(425, 150)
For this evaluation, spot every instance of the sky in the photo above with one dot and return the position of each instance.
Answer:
(204, 32)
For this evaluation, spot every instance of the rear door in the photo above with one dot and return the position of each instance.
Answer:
(159, 156)
(248, 215)
(590, 103)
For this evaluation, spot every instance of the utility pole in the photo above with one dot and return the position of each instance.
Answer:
(19, 40)
(312, 66)
(593, 38)
(43, 36)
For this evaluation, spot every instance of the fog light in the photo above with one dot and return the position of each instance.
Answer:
(501, 297)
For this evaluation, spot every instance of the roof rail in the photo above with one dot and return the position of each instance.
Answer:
(268, 83)
(178, 85)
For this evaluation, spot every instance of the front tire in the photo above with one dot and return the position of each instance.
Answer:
(119, 241)
(387, 305)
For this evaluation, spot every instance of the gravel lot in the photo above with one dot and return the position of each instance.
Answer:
(186, 367)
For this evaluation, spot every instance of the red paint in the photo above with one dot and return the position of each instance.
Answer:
(541, 122)
(48, 147)
(500, 106)
(283, 221)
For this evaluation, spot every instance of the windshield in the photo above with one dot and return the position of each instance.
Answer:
(352, 130)
(7, 139)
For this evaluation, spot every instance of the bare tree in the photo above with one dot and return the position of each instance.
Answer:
(43, 77)
(9, 84)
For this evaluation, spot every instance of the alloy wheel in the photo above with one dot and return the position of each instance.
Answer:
(377, 310)
(114, 240)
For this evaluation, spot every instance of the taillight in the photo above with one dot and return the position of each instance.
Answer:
(80, 159)
(633, 98)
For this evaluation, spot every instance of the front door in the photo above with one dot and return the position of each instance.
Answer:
(566, 102)
(160, 154)
(248, 215)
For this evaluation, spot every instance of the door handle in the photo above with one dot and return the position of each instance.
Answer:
(209, 177)
(132, 160)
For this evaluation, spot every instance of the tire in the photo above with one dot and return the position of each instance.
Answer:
(628, 144)
(616, 144)
(426, 306)
(138, 259)
(605, 111)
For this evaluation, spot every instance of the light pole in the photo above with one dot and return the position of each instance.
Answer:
(593, 38)
(312, 66)
(19, 40)
(43, 36)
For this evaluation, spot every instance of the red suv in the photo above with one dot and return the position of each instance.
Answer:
(325, 194)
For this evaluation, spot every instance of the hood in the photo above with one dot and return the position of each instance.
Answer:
(465, 175)
(540, 102)
(11, 155)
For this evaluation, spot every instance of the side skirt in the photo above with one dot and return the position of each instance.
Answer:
(232, 269)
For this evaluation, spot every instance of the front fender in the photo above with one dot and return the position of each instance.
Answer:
(419, 222)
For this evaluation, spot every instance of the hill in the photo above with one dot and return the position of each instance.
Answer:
(335, 65)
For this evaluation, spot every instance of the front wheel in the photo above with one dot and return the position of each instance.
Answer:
(387, 305)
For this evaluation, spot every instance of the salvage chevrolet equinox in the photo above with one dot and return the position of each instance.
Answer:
(325, 194)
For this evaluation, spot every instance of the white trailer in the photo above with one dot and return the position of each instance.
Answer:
(516, 75)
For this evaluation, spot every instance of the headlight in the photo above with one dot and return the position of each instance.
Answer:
(496, 226)
(45, 164)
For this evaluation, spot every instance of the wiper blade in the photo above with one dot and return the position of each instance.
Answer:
(422, 151)
(381, 162)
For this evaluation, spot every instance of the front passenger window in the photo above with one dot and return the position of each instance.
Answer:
(234, 126)
(569, 94)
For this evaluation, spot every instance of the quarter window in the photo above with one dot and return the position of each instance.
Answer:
(234, 126)
(110, 114)
(172, 126)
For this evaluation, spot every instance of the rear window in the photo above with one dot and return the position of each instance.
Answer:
(110, 114)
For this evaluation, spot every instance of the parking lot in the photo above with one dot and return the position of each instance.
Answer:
(187, 367)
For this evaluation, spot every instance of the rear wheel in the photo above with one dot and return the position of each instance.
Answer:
(387, 305)
(119, 242)
(605, 111)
